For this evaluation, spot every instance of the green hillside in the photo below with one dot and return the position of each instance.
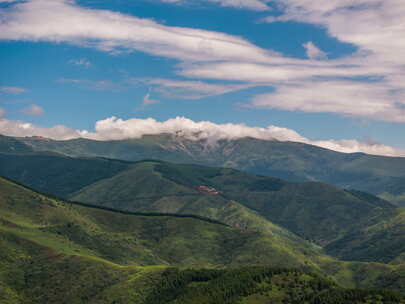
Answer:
(12, 145)
(142, 240)
(381, 242)
(56, 174)
(315, 211)
(259, 285)
(287, 160)
(56, 252)
(318, 212)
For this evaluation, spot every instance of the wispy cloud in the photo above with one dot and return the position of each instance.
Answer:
(255, 5)
(147, 100)
(33, 110)
(186, 89)
(64, 21)
(348, 98)
(375, 27)
(12, 90)
(98, 85)
(81, 62)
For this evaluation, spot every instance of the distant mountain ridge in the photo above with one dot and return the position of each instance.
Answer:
(379, 175)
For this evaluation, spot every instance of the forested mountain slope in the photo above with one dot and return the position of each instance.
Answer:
(58, 252)
(288, 160)
(315, 211)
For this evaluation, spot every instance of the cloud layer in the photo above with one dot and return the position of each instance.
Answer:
(367, 84)
(64, 21)
(255, 5)
(114, 128)
(375, 27)
(21, 129)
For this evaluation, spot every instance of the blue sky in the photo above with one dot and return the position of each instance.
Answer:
(330, 74)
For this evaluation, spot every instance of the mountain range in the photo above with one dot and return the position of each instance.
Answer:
(166, 205)
(379, 175)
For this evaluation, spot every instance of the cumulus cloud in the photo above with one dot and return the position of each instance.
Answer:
(313, 51)
(33, 110)
(21, 128)
(114, 128)
(188, 89)
(12, 90)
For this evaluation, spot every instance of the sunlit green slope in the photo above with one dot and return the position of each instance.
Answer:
(315, 211)
(56, 252)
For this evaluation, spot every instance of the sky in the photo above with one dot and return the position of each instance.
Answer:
(329, 73)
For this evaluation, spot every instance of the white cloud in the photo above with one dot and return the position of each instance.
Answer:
(313, 51)
(271, 74)
(12, 90)
(255, 5)
(98, 85)
(147, 100)
(33, 110)
(188, 89)
(342, 97)
(81, 62)
(340, 86)
(64, 21)
(372, 25)
(115, 129)
(375, 27)
(2, 113)
(20, 129)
